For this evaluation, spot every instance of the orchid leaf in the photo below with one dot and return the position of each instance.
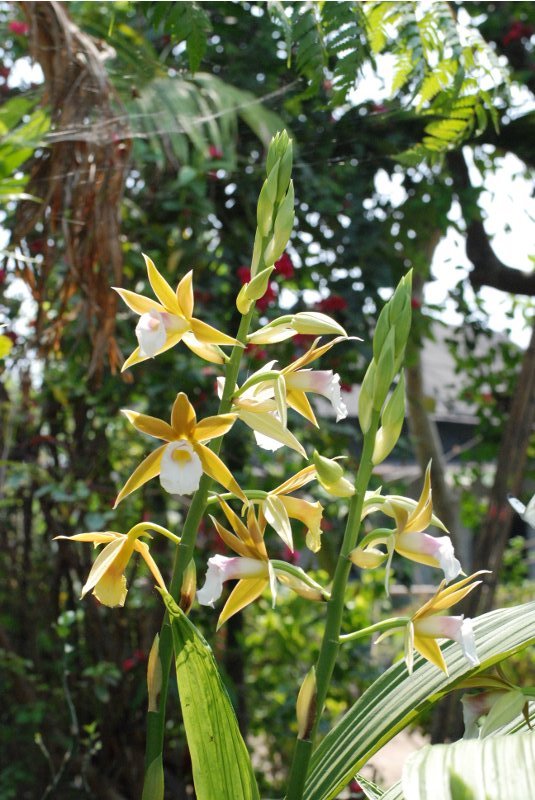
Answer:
(499, 768)
(220, 762)
(396, 699)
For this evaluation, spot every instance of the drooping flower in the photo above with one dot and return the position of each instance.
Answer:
(165, 323)
(408, 538)
(252, 567)
(106, 578)
(427, 625)
(183, 459)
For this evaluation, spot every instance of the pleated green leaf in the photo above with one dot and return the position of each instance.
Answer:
(397, 698)
(497, 768)
(220, 762)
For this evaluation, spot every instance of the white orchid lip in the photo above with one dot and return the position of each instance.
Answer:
(225, 568)
(458, 629)
(439, 548)
(151, 333)
(321, 381)
(180, 468)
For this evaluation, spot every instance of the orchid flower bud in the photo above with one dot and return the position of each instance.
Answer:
(306, 705)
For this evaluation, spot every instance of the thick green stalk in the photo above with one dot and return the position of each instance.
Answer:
(335, 607)
(184, 554)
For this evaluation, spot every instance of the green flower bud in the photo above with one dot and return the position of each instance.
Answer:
(328, 470)
(266, 202)
(365, 408)
(253, 291)
(381, 331)
(285, 170)
(283, 223)
(306, 705)
(385, 371)
(154, 675)
(315, 323)
(367, 558)
(257, 252)
(189, 587)
(392, 423)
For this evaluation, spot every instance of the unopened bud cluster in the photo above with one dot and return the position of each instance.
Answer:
(275, 218)
(389, 343)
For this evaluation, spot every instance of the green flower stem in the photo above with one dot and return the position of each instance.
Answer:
(335, 607)
(251, 494)
(184, 554)
(384, 625)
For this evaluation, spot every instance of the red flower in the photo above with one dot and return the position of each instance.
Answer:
(18, 27)
(244, 274)
(518, 30)
(334, 302)
(129, 664)
(215, 152)
(416, 302)
(256, 352)
(345, 387)
(268, 298)
(4, 72)
(284, 266)
(3, 274)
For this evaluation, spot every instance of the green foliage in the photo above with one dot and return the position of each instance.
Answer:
(401, 698)
(220, 762)
(185, 22)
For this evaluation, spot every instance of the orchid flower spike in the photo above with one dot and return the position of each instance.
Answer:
(184, 457)
(165, 323)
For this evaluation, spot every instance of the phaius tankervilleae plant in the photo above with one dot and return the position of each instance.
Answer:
(188, 463)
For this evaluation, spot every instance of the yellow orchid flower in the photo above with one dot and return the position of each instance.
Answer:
(107, 578)
(165, 323)
(408, 538)
(263, 400)
(252, 568)
(278, 508)
(183, 459)
(427, 625)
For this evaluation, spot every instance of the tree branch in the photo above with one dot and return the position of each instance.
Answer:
(488, 269)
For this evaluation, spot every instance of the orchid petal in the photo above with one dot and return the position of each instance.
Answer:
(277, 516)
(150, 425)
(148, 469)
(208, 352)
(183, 417)
(103, 562)
(206, 334)
(216, 469)
(184, 295)
(212, 427)
(247, 591)
(138, 302)
(180, 468)
(143, 549)
(161, 288)
(270, 426)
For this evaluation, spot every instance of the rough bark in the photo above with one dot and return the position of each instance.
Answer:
(79, 176)
(494, 532)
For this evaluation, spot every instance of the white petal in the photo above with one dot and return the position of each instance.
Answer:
(446, 558)
(151, 333)
(223, 568)
(180, 469)
(266, 443)
(468, 642)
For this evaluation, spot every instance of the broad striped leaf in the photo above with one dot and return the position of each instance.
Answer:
(498, 768)
(395, 792)
(220, 762)
(396, 699)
